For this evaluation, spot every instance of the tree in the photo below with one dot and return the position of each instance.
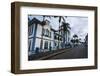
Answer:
(65, 26)
(72, 40)
(80, 40)
(75, 37)
(60, 18)
(77, 40)
(86, 40)
(66, 29)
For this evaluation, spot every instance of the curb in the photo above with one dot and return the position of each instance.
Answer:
(54, 54)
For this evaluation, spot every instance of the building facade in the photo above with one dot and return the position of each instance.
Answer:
(42, 37)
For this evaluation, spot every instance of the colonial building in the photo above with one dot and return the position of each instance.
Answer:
(42, 37)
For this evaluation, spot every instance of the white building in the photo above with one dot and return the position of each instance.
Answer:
(42, 37)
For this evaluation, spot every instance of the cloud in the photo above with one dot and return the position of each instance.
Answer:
(79, 25)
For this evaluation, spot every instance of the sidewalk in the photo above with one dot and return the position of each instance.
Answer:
(46, 55)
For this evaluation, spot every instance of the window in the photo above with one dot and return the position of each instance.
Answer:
(50, 34)
(46, 45)
(30, 30)
(43, 33)
(47, 32)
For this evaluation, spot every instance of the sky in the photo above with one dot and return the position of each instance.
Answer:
(78, 24)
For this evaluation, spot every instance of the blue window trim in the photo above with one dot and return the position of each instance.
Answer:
(34, 37)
